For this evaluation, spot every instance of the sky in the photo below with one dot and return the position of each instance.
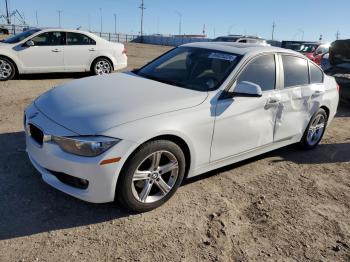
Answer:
(295, 20)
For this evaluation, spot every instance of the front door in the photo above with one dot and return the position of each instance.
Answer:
(47, 54)
(247, 123)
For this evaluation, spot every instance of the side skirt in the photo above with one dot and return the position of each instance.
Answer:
(243, 156)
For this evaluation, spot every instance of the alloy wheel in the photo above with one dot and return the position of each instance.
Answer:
(103, 67)
(5, 69)
(316, 130)
(155, 177)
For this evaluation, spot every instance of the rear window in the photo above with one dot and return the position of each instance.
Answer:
(296, 71)
(316, 74)
(79, 39)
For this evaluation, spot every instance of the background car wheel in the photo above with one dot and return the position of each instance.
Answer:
(151, 176)
(102, 66)
(7, 69)
(315, 130)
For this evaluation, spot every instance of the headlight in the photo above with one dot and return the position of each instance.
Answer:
(85, 145)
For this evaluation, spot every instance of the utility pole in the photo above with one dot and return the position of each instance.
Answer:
(101, 28)
(115, 23)
(142, 7)
(302, 34)
(89, 23)
(337, 35)
(180, 21)
(59, 18)
(273, 30)
(36, 18)
(320, 38)
(7, 14)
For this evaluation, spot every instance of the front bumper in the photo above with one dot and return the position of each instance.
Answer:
(48, 158)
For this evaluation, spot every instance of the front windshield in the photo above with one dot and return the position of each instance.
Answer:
(193, 68)
(21, 36)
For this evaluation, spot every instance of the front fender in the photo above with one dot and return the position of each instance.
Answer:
(193, 125)
(13, 57)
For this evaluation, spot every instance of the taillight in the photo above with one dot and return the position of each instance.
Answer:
(338, 88)
(124, 51)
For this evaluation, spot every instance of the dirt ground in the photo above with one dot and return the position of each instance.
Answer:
(287, 205)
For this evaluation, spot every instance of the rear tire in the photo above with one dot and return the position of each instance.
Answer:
(101, 66)
(7, 69)
(151, 176)
(315, 130)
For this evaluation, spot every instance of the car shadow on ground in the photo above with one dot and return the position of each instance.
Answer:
(49, 76)
(29, 206)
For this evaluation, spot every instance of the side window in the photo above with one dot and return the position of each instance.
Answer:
(79, 39)
(261, 71)
(316, 75)
(296, 71)
(49, 39)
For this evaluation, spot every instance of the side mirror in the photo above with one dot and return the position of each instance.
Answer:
(246, 88)
(30, 43)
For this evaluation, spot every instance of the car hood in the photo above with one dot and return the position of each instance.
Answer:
(91, 105)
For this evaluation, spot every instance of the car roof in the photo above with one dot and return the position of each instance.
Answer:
(48, 29)
(241, 48)
(242, 36)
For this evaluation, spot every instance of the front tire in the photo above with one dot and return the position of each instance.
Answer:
(7, 69)
(101, 66)
(315, 130)
(151, 176)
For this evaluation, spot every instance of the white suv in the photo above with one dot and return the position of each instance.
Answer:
(59, 50)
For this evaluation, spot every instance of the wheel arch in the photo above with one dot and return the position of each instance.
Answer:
(12, 61)
(170, 137)
(325, 108)
(101, 56)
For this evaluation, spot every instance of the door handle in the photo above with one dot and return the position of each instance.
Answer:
(317, 93)
(56, 50)
(272, 102)
(92, 49)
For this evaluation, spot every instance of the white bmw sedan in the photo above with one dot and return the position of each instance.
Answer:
(59, 50)
(135, 136)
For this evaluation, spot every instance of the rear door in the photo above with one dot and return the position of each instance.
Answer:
(294, 99)
(78, 52)
(47, 54)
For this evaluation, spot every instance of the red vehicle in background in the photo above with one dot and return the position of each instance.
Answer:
(319, 52)
(308, 49)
